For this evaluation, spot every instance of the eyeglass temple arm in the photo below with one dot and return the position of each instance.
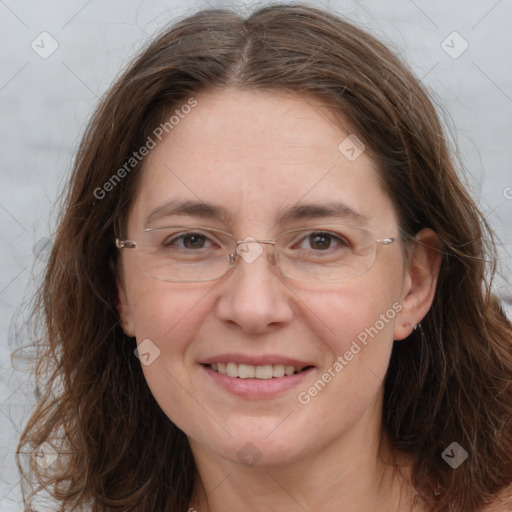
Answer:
(125, 244)
(386, 241)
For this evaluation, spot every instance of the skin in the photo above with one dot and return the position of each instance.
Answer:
(254, 153)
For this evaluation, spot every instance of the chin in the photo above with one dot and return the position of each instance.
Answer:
(252, 450)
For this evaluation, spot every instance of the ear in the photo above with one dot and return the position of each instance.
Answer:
(124, 310)
(420, 282)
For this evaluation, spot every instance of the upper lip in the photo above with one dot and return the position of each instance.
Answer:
(260, 360)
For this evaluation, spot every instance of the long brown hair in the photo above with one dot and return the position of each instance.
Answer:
(450, 380)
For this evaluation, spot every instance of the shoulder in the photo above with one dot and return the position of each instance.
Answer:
(502, 502)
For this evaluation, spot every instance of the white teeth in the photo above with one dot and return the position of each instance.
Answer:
(278, 370)
(263, 372)
(248, 371)
(288, 370)
(232, 369)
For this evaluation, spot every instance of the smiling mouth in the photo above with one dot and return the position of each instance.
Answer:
(264, 372)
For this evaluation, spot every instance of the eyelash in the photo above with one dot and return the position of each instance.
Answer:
(168, 243)
(341, 240)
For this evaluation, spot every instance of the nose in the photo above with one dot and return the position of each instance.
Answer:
(254, 295)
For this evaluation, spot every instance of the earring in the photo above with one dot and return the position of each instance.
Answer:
(415, 326)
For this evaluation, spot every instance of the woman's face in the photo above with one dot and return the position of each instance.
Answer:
(256, 155)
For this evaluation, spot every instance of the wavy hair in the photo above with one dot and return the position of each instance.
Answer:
(449, 381)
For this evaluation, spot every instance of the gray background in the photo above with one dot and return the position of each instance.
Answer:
(45, 103)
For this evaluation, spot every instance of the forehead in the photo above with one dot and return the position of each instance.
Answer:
(255, 153)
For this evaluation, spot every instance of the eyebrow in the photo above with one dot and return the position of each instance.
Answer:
(300, 211)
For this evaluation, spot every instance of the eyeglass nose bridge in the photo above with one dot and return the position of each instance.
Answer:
(249, 255)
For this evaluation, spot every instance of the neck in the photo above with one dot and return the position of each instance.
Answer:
(354, 471)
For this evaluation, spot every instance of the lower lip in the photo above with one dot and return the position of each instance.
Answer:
(257, 388)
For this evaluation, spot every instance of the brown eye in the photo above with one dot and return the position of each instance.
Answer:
(189, 241)
(194, 241)
(322, 241)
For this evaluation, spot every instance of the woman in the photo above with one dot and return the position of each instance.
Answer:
(269, 289)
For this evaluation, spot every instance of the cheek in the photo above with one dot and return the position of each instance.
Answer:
(360, 310)
(355, 324)
(356, 345)
(161, 309)
(170, 316)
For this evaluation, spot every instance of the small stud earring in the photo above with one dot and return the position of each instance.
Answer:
(415, 326)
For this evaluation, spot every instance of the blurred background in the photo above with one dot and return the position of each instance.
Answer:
(58, 57)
